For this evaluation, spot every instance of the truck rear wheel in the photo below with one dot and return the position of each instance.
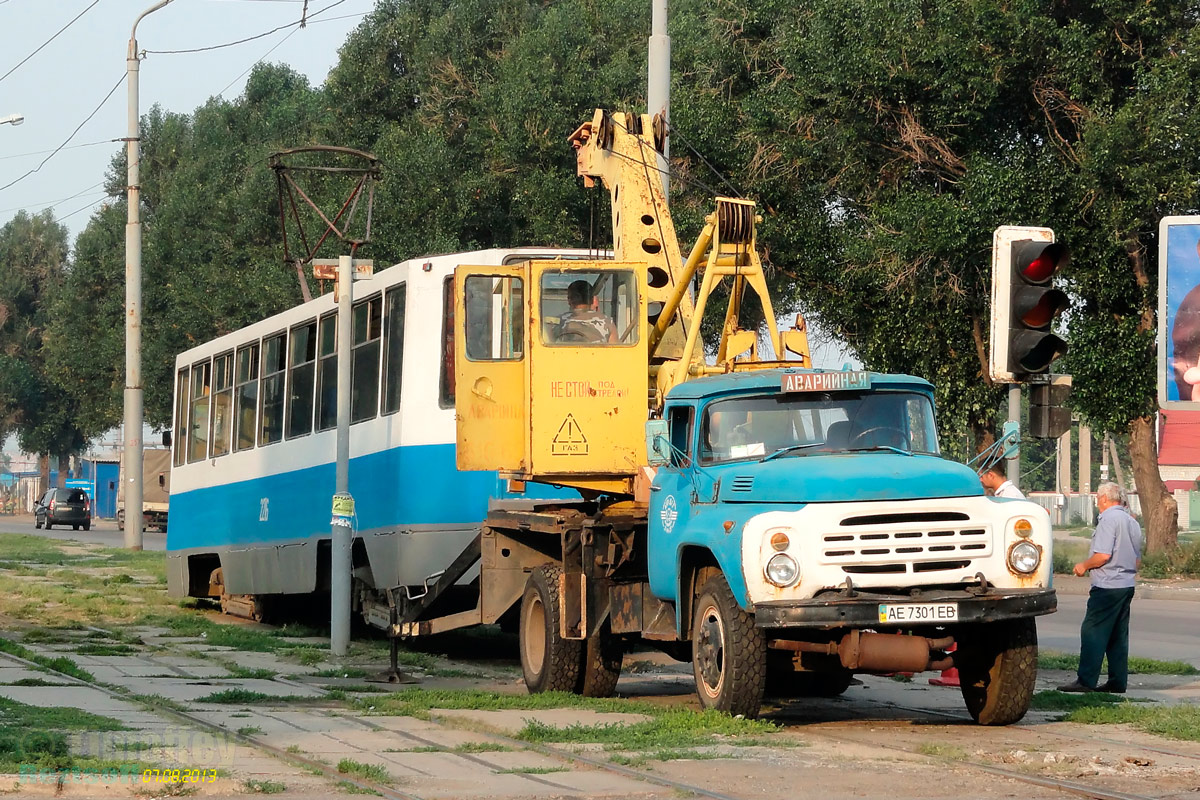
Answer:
(600, 668)
(997, 669)
(729, 653)
(549, 662)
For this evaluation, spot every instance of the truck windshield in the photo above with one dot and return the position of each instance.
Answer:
(835, 422)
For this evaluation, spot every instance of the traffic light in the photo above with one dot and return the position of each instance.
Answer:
(1047, 417)
(1024, 303)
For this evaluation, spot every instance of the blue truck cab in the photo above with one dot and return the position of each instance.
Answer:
(800, 519)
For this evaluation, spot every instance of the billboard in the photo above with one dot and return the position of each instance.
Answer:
(1179, 313)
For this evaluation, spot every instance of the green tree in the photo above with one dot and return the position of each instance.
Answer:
(886, 142)
(33, 252)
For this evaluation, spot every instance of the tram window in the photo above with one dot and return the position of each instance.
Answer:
(393, 347)
(247, 396)
(327, 374)
(182, 396)
(198, 413)
(274, 362)
(222, 406)
(364, 364)
(446, 381)
(302, 366)
(495, 328)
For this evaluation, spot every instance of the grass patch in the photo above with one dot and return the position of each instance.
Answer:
(105, 649)
(366, 688)
(1049, 659)
(350, 788)
(1173, 722)
(38, 736)
(157, 701)
(343, 672)
(481, 747)
(370, 772)
(531, 770)
(670, 729)
(60, 664)
(641, 759)
(1182, 562)
(939, 750)
(35, 682)
(245, 697)
(250, 730)
(264, 787)
(1062, 701)
(418, 702)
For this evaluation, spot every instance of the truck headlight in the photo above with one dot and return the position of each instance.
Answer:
(782, 570)
(1024, 557)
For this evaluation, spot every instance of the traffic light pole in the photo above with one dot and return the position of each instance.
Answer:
(1014, 415)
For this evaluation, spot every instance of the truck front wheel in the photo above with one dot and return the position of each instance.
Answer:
(729, 653)
(550, 662)
(997, 668)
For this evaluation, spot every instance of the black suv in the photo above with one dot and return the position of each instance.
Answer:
(64, 507)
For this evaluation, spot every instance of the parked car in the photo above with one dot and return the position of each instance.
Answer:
(64, 507)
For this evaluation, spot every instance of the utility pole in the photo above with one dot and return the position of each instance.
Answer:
(658, 83)
(342, 522)
(133, 301)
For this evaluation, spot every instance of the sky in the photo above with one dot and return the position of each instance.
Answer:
(68, 78)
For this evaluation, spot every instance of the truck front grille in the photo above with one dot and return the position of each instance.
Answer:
(902, 543)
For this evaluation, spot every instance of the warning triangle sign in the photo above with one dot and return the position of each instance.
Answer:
(569, 441)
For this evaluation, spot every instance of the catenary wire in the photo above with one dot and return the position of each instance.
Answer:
(72, 147)
(249, 38)
(291, 33)
(69, 138)
(53, 203)
(48, 41)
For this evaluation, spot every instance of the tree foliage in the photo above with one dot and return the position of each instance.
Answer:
(883, 142)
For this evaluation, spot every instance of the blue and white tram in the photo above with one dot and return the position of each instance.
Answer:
(254, 443)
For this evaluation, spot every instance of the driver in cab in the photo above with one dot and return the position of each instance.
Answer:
(585, 322)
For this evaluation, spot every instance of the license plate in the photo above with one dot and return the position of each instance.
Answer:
(936, 613)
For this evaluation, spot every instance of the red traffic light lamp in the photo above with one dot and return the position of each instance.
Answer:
(1024, 303)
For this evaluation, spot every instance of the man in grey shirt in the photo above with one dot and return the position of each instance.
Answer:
(1114, 559)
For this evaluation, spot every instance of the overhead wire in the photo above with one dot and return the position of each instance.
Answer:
(291, 33)
(299, 22)
(53, 203)
(69, 138)
(48, 41)
(72, 147)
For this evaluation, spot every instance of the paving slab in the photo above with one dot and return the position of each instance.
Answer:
(13, 674)
(82, 697)
(130, 677)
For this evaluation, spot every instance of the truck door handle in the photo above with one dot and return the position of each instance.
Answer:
(654, 488)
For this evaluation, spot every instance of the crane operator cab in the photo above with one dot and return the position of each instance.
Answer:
(551, 360)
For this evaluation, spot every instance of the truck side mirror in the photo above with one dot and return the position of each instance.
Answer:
(658, 445)
(166, 438)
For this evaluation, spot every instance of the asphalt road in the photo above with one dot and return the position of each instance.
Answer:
(103, 532)
(1161, 629)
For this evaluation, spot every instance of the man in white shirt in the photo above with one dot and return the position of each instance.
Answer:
(995, 480)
